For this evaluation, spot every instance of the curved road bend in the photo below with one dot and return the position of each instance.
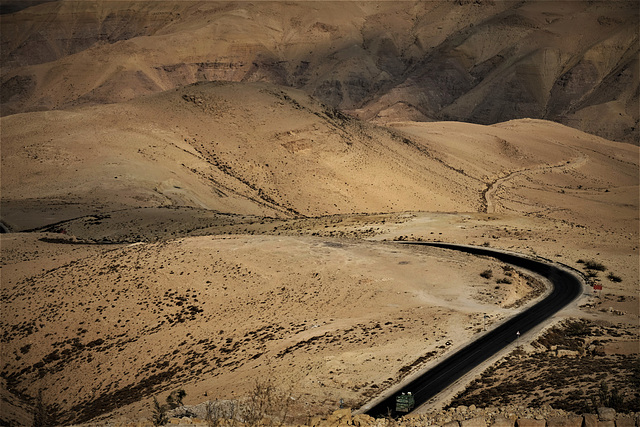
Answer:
(567, 286)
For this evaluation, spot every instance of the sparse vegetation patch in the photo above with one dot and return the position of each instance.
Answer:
(594, 265)
(487, 274)
(614, 278)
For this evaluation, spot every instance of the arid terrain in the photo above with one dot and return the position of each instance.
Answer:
(189, 208)
(483, 61)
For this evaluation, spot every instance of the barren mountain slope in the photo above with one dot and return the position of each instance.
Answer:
(238, 148)
(259, 149)
(575, 62)
(570, 62)
(109, 51)
(534, 168)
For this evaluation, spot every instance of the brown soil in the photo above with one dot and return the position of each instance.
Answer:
(213, 234)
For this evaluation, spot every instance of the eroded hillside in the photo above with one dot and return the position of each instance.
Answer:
(253, 149)
(482, 61)
(265, 150)
(260, 149)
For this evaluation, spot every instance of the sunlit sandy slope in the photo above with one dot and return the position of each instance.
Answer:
(266, 150)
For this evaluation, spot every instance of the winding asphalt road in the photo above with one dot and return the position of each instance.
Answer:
(567, 286)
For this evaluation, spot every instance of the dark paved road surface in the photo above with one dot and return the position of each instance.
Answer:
(567, 286)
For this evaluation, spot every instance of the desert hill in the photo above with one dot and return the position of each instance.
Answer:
(574, 62)
(202, 194)
(263, 150)
(254, 149)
